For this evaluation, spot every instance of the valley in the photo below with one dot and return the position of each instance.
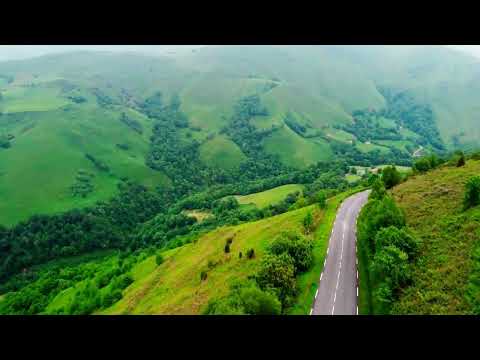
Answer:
(208, 181)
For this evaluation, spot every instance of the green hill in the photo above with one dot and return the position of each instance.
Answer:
(60, 107)
(445, 272)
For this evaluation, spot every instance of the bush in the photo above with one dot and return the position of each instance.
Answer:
(378, 189)
(245, 299)
(461, 160)
(322, 199)
(278, 272)
(250, 253)
(391, 176)
(227, 248)
(159, 259)
(472, 193)
(390, 266)
(400, 238)
(203, 275)
(297, 247)
(378, 214)
(240, 255)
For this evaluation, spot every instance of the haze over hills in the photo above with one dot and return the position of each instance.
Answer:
(318, 87)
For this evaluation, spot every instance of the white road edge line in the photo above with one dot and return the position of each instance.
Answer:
(321, 276)
(357, 291)
(316, 294)
(357, 309)
(311, 311)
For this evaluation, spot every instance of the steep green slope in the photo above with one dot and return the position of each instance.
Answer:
(433, 208)
(49, 151)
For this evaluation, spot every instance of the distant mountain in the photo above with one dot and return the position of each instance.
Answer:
(298, 104)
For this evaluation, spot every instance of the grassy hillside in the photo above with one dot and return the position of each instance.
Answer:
(321, 85)
(433, 208)
(175, 287)
(269, 197)
(48, 152)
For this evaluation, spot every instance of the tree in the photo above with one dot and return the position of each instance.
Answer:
(400, 238)
(391, 177)
(278, 272)
(378, 190)
(308, 222)
(390, 265)
(321, 200)
(472, 193)
(295, 245)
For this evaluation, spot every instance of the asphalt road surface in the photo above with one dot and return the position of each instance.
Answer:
(338, 290)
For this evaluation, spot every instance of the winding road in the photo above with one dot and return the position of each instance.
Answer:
(338, 290)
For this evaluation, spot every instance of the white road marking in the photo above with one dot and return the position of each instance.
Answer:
(321, 275)
(324, 262)
(316, 293)
(311, 311)
(333, 309)
(357, 309)
(357, 274)
(357, 291)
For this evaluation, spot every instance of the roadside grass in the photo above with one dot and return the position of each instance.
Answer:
(269, 197)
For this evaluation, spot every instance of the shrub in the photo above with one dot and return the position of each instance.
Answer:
(297, 247)
(378, 189)
(203, 275)
(278, 272)
(322, 199)
(159, 259)
(240, 255)
(245, 298)
(399, 238)
(472, 193)
(250, 253)
(391, 176)
(461, 160)
(390, 266)
(227, 248)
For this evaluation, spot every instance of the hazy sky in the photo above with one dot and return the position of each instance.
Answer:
(10, 52)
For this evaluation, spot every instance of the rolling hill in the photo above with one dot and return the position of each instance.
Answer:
(56, 109)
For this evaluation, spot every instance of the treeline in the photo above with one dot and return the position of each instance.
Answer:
(387, 247)
(404, 108)
(106, 225)
(92, 285)
(353, 156)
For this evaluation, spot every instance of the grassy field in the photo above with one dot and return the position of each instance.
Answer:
(364, 147)
(268, 197)
(175, 287)
(199, 215)
(352, 178)
(432, 203)
(23, 99)
(296, 151)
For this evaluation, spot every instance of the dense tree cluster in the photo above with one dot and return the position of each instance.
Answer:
(389, 248)
(408, 112)
(107, 225)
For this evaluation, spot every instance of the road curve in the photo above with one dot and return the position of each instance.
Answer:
(338, 290)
